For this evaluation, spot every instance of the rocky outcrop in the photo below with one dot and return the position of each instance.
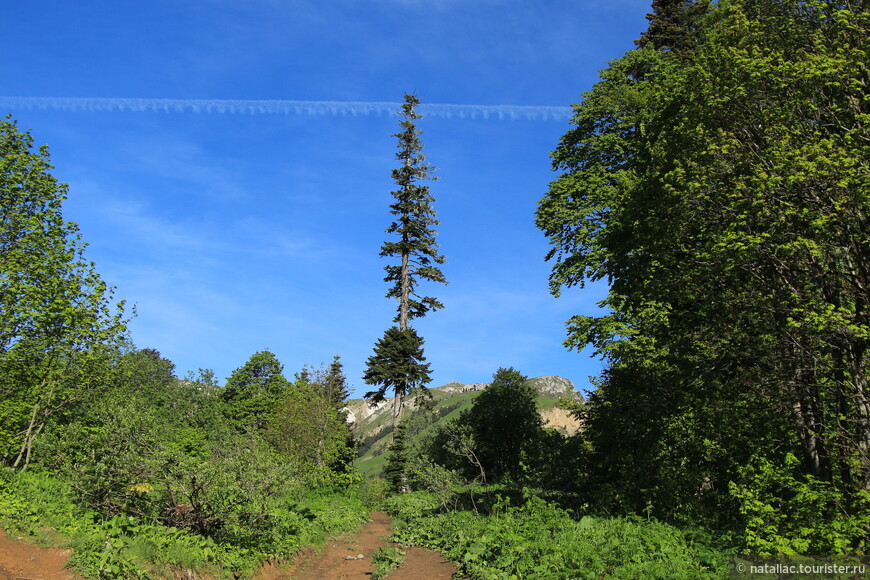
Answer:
(558, 386)
(359, 409)
(561, 420)
(455, 387)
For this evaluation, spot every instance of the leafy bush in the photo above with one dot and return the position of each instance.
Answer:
(103, 454)
(386, 559)
(792, 513)
(30, 502)
(118, 547)
(124, 548)
(335, 511)
(412, 506)
(372, 491)
(539, 540)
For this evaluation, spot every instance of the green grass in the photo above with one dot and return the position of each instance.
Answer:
(371, 466)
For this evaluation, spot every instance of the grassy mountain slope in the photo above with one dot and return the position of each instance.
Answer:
(372, 425)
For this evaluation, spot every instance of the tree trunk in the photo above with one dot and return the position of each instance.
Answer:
(862, 404)
(29, 434)
(398, 405)
(404, 299)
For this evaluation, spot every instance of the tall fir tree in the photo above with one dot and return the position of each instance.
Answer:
(334, 383)
(414, 224)
(415, 220)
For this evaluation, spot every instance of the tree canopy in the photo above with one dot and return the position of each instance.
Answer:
(57, 318)
(253, 390)
(724, 197)
(309, 429)
(505, 423)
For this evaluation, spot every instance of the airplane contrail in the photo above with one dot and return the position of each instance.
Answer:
(282, 107)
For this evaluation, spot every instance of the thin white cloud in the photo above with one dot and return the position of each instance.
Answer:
(282, 107)
(438, 4)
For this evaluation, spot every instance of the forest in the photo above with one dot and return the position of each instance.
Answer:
(717, 178)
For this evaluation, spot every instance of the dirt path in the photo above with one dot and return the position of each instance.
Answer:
(25, 561)
(331, 563)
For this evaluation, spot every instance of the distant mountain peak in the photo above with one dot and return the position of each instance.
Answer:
(548, 384)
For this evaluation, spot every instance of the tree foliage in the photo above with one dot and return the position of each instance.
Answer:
(308, 428)
(253, 390)
(674, 25)
(414, 224)
(57, 325)
(398, 364)
(724, 197)
(505, 424)
(396, 468)
(334, 383)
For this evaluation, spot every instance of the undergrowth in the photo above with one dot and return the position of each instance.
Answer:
(124, 546)
(539, 540)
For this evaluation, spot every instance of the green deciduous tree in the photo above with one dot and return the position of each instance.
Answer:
(308, 428)
(143, 430)
(253, 391)
(724, 196)
(505, 423)
(146, 372)
(57, 327)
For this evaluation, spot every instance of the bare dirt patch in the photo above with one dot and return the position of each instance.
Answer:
(562, 420)
(332, 562)
(22, 561)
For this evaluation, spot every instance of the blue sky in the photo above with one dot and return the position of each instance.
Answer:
(236, 231)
